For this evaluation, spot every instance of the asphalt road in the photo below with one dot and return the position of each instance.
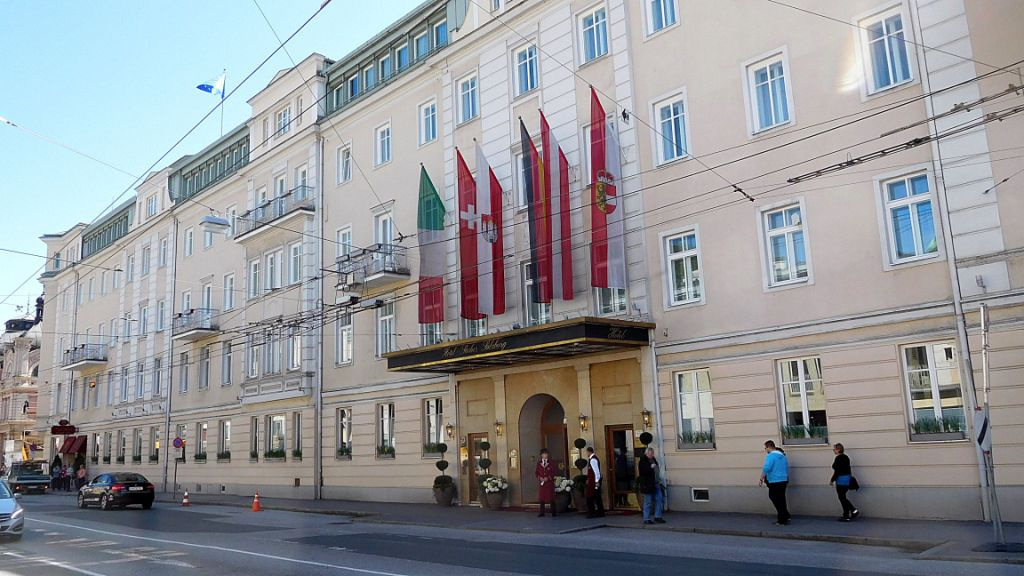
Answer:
(171, 541)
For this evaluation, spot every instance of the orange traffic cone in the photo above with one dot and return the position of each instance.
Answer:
(184, 499)
(256, 503)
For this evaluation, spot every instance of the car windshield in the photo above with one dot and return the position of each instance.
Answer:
(128, 477)
(4, 492)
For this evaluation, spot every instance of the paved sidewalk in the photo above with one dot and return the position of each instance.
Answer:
(933, 540)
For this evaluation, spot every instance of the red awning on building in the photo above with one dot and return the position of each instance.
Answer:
(79, 446)
(66, 446)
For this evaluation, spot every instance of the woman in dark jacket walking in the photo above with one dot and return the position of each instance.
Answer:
(841, 477)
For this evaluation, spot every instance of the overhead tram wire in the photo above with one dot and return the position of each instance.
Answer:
(179, 141)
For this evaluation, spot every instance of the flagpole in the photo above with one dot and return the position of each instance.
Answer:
(223, 89)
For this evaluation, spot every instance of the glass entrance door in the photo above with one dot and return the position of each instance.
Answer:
(473, 463)
(621, 467)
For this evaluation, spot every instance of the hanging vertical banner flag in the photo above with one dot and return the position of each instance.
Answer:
(481, 247)
(538, 212)
(608, 234)
(489, 243)
(430, 235)
(557, 191)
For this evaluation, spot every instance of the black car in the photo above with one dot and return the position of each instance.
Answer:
(117, 489)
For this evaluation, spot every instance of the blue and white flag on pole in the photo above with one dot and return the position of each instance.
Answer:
(216, 87)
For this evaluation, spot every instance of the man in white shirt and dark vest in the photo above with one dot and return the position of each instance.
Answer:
(595, 506)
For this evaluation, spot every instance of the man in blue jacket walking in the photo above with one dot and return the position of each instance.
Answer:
(775, 473)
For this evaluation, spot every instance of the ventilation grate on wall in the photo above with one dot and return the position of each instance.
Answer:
(700, 495)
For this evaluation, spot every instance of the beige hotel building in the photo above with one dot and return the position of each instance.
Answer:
(816, 204)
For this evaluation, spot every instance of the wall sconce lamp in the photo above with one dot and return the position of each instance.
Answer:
(646, 415)
(583, 421)
(449, 430)
(499, 428)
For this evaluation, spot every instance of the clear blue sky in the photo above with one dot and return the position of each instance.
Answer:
(116, 80)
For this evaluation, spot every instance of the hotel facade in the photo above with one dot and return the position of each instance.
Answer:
(812, 214)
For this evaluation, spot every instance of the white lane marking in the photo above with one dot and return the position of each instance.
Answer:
(54, 563)
(223, 549)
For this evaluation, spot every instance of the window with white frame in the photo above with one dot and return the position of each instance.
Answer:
(695, 413)
(422, 44)
(469, 99)
(440, 33)
(111, 390)
(299, 108)
(188, 241)
(536, 312)
(884, 48)
(519, 163)
(103, 283)
(343, 242)
(428, 122)
(768, 85)
(207, 295)
(295, 263)
(384, 228)
(402, 57)
(151, 205)
(343, 339)
(386, 430)
(161, 315)
(275, 436)
(164, 252)
(431, 333)
(344, 164)
(593, 34)
(204, 367)
(129, 273)
(433, 429)
(183, 372)
(284, 120)
(671, 134)
(297, 434)
(202, 438)
(207, 239)
(254, 437)
(934, 392)
(610, 301)
(224, 438)
(682, 261)
(229, 292)
(272, 353)
(471, 328)
(158, 380)
(143, 320)
(254, 278)
(802, 399)
(252, 356)
(125, 384)
(785, 242)
(226, 361)
(344, 433)
(186, 301)
(386, 337)
(232, 214)
(137, 445)
(909, 218)
(294, 349)
(154, 443)
(146, 260)
(525, 61)
(273, 273)
(140, 380)
(384, 67)
(382, 145)
(369, 77)
(660, 14)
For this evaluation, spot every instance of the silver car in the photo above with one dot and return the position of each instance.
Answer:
(12, 515)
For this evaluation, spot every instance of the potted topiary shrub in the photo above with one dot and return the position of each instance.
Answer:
(444, 487)
(579, 481)
(485, 464)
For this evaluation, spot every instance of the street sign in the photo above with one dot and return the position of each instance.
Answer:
(178, 443)
(62, 430)
(982, 431)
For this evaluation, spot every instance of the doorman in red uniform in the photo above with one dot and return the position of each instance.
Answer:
(545, 473)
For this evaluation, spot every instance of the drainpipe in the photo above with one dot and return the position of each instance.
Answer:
(170, 351)
(966, 366)
(318, 377)
(74, 340)
(657, 409)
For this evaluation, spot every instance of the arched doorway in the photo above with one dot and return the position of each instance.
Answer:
(541, 425)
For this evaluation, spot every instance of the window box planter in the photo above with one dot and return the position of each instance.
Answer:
(804, 435)
(94, 460)
(106, 459)
(120, 459)
(224, 456)
(386, 452)
(274, 456)
(805, 441)
(154, 458)
(344, 453)
(696, 445)
(254, 456)
(937, 437)
(136, 459)
(199, 458)
(297, 455)
(696, 441)
(432, 450)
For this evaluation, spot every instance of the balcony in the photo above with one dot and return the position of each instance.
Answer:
(284, 212)
(84, 357)
(195, 324)
(373, 267)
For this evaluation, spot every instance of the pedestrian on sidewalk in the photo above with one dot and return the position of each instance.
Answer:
(595, 506)
(775, 473)
(80, 477)
(842, 477)
(649, 474)
(545, 472)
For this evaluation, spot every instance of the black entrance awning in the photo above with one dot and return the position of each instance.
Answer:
(557, 340)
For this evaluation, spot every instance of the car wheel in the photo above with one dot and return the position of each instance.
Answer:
(81, 500)
(147, 505)
(105, 502)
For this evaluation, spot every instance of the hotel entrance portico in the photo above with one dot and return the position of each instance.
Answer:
(542, 387)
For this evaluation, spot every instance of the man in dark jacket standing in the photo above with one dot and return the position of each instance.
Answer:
(649, 474)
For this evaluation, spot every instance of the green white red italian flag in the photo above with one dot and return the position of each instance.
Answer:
(430, 236)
